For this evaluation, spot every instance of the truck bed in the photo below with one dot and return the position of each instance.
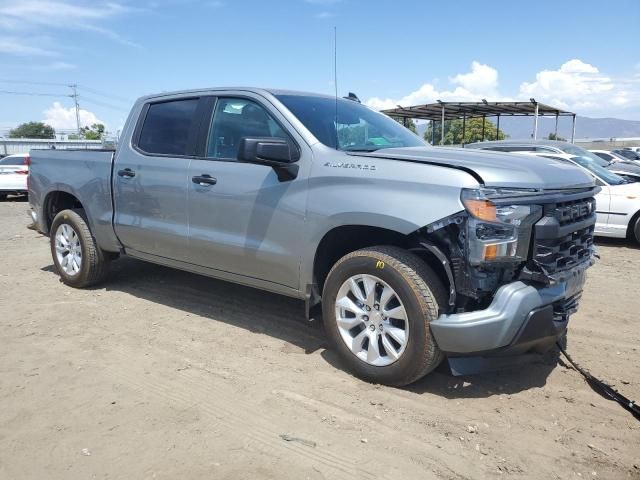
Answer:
(85, 174)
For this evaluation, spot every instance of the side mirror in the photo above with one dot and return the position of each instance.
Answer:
(277, 153)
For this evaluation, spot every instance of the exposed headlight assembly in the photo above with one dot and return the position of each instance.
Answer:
(497, 231)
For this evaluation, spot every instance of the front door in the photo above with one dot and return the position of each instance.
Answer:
(603, 207)
(151, 180)
(242, 219)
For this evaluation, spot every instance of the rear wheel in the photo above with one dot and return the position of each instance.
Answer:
(378, 303)
(77, 257)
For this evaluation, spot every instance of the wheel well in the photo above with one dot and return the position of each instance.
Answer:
(349, 238)
(56, 202)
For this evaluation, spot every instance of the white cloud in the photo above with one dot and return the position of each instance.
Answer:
(580, 86)
(575, 85)
(481, 82)
(15, 46)
(482, 79)
(60, 117)
(29, 16)
(323, 15)
(577, 66)
(57, 66)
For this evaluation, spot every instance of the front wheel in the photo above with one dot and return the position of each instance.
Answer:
(77, 257)
(378, 303)
(635, 231)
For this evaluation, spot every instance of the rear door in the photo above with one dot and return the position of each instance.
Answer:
(603, 207)
(242, 219)
(150, 179)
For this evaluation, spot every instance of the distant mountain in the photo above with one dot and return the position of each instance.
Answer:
(586, 127)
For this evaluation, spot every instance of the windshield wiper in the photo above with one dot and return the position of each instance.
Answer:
(361, 149)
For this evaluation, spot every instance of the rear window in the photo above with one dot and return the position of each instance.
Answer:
(167, 127)
(13, 161)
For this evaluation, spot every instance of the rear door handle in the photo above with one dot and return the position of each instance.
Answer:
(204, 180)
(127, 172)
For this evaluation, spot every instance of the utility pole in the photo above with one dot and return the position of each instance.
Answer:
(74, 95)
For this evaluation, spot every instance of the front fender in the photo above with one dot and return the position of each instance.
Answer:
(398, 196)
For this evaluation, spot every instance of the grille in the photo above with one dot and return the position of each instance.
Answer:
(564, 236)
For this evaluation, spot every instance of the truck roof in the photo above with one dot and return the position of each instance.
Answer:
(259, 91)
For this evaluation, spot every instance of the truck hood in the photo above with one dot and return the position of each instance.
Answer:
(496, 169)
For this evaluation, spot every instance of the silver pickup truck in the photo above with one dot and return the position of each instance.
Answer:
(409, 253)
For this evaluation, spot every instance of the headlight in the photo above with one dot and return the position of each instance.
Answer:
(497, 232)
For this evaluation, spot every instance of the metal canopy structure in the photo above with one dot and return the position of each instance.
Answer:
(443, 111)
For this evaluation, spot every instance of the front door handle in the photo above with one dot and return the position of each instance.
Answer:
(204, 180)
(127, 172)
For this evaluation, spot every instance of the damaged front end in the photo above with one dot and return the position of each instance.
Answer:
(507, 235)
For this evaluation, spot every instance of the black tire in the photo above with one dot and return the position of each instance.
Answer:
(94, 264)
(635, 232)
(420, 290)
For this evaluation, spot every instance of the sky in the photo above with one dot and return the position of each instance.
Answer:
(580, 55)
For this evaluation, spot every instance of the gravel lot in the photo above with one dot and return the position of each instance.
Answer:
(164, 374)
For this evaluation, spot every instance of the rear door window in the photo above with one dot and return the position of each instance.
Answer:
(168, 127)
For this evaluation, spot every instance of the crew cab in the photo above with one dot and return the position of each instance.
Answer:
(409, 253)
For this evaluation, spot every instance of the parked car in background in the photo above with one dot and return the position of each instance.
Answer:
(617, 164)
(635, 149)
(411, 253)
(14, 171)
(609, 155)
(617, 203)
(628, 154)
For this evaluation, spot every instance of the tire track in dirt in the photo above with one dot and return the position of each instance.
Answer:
(256, 430)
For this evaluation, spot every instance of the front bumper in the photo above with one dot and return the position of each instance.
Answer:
(520, 316)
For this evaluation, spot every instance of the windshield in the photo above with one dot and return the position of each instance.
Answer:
(593, 163)
(581, 152)
(357, 129)
(600, 172)
(601, 161)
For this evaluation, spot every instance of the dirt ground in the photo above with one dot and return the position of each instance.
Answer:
(164, 374)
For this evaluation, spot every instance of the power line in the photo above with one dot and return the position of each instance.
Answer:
(31, 82)
(35, 94)
(101, 103)
(106, 95)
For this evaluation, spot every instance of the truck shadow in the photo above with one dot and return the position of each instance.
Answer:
(616, 242)
(443, 383)
(283, 318)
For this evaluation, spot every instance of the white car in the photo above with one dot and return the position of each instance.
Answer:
(617, 204)
(609, 156)
(14, 171)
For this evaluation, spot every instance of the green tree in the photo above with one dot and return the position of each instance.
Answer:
(472, 131)
(33, 130)
(411, 125)
(553, 136)
(94, 132)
